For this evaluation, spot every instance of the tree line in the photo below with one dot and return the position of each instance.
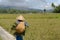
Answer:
(13, 11)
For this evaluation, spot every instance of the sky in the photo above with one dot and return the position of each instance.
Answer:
(37, 4)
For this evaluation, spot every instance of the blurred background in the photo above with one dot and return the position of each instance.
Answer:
(29, 6)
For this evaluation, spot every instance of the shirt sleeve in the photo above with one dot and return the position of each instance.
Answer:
(13, 26)
(26, 24)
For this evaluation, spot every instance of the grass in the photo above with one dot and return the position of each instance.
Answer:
(0, 38)
(42, 26)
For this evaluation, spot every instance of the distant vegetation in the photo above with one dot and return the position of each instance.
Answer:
(56, 8)
(12, 11)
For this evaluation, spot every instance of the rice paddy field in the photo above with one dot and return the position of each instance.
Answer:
(41, 26)
(0, 38)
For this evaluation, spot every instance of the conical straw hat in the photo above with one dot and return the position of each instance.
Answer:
(20, 17)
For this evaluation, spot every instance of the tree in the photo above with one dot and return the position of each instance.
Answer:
(56, 8)
(44, 10)
(53, 5)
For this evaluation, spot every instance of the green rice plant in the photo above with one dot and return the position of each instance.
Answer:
(0, 38)
(41, 26)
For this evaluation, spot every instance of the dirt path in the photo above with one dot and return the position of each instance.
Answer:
(5, 35)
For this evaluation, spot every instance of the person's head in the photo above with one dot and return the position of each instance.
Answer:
(20, 18)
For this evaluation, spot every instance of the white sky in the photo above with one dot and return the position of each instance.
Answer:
(38, 4)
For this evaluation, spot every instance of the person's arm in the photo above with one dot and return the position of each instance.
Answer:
(13, 26)
(26, 24)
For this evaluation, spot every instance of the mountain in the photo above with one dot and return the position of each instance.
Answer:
(19, 8)
(49, 10)
(24, 8)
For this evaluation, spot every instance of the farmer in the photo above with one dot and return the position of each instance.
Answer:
(22, 24)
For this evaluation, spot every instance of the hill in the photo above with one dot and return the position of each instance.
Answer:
(20, 8)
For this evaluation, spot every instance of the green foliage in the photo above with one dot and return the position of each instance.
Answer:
(56, 8)
(41, 26)
(44, 10)
(53, 5)
(16, 11)
(0, 38)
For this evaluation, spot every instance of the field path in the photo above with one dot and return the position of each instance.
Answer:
(5, 35)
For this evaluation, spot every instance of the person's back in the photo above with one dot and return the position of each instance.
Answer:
(20, 27)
